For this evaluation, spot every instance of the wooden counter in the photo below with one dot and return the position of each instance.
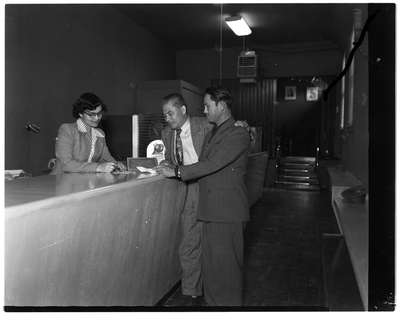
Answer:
(91, 239)
(255, 175)
(352, 220)
(96, 239)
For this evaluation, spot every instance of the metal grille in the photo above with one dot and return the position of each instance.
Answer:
(146, 134)
(247, 66)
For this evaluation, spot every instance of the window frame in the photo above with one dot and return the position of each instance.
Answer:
(350, 108)
(343, 98)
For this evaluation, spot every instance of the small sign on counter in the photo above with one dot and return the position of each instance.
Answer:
(147, 162)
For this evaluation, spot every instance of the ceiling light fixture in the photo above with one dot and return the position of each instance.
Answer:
(238, 25)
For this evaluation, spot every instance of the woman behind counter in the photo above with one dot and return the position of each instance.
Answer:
(80, 146)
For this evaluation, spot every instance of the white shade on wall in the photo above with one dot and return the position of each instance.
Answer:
(238, 25)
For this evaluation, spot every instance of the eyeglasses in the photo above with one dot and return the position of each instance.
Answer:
(98, 114)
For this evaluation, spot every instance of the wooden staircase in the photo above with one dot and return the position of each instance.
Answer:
(296, 172)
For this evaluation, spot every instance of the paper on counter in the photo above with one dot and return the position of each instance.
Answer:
(146, 170)
(145, 175)
(124, 172)
(14, 172)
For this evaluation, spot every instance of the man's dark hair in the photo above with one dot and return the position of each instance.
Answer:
(221, 93)
(177, 99)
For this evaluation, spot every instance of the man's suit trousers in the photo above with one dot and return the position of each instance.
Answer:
(222, 261)
(190, 247)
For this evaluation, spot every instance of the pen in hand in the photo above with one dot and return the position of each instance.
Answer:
(110, 164)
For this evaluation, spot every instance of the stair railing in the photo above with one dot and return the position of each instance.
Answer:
(317, 154)
(278, 155)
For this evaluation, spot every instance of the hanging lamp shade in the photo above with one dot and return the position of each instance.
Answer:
(238, 25)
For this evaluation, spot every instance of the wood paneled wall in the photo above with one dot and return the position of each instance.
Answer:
(256, 104)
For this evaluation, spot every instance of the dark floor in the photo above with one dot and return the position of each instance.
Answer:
(294, 258)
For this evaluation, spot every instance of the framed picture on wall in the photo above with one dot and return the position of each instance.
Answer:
(290, 93)
(312, 94)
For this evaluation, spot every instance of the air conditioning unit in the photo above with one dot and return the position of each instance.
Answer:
(247, 65)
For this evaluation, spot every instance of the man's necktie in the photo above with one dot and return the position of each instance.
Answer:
(179, 150)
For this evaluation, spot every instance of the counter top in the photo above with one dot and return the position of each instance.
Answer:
(41, 191)
(45, 190)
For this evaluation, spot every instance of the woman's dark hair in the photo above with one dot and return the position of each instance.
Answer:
(220, 93)
(176, 98)
(87, 101)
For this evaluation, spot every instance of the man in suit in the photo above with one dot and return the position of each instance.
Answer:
(223, 204)
(192, 131)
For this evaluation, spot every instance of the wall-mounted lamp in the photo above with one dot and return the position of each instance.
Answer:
(319, 83)
(238, 25)
(32, 127)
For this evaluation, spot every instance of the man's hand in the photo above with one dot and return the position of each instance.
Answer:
(242, 124)
(165, 171)
(245, 125)
(167, 164)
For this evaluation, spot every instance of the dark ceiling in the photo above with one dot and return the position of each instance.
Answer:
(198, 26)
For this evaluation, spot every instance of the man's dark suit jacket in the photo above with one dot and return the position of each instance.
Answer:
(221, 170)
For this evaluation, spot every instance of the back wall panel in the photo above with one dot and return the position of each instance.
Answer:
(54, 53)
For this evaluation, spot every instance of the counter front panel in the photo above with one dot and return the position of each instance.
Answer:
(92, 239)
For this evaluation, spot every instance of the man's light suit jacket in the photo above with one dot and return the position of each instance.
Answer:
(199, 127)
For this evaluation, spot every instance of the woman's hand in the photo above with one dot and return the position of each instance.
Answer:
(106, 167)
(120, 167)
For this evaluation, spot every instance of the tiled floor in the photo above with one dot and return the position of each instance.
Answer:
(285, 267)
